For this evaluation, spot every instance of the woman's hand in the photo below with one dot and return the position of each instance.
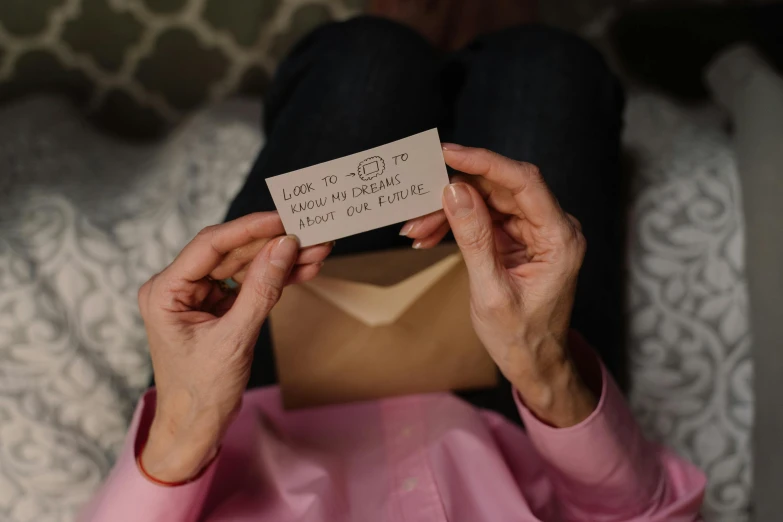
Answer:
(523, 255)
(202, 335)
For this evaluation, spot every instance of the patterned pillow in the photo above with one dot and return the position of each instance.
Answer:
(139, 66)
(692, 374)
(76, 242)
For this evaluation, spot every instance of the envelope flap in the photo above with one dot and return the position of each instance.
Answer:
(375, 305)
(386, 267)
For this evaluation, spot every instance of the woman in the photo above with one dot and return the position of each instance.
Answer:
(202, 447)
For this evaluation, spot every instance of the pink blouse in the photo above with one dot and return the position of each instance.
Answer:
(418, 458)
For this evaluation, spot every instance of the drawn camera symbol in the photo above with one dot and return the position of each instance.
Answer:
(371, 168)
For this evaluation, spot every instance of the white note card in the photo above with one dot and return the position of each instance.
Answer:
(371, 189)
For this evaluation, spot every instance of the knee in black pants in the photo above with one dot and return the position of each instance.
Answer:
(359, 62)
(554, 59)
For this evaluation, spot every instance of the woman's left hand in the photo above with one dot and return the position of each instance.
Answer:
(523, 255)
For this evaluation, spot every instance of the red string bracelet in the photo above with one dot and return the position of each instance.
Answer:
(170, 484)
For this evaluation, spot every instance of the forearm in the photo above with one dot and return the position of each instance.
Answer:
(602, 467)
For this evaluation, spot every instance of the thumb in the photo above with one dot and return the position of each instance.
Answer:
(471, 224)
(264, 283)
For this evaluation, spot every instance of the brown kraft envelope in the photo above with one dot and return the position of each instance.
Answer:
(377, 325)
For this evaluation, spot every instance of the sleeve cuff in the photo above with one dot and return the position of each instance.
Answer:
(606, 448)
(128, 495)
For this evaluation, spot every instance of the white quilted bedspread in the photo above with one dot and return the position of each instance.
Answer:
(84, 220)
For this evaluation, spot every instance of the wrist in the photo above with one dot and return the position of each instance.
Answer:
(552, 387)
(561, 401)
(177, 454)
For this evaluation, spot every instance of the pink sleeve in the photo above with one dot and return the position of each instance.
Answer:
(128, 496)
(603, 469)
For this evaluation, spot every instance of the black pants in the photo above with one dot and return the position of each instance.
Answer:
(530, 93)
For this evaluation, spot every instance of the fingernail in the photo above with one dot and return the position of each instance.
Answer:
(458, 200)
(406, 229)
(284, 252)
(417, 244)
(451, 146)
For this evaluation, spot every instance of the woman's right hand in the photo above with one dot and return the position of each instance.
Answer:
(202, 336)
(523, 255)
